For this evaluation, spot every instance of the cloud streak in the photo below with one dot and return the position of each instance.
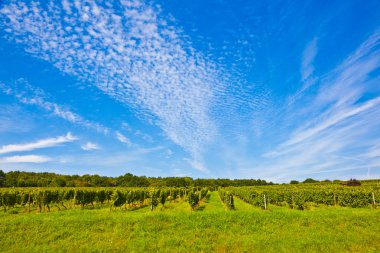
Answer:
(123, 139)
(340, 121)
(29, 95)
(309, 54)
(25, 159)
(45, 143)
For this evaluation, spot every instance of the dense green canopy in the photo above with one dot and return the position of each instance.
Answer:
(45, 179)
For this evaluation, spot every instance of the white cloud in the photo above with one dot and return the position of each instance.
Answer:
(338, 117)
(123, 139)
(307, 70)
(141, 59)
(309, 54)
(45, 143)
(25, 159)
(336, 123)
(116, 160)
(29, 95)
(90, 146)
(374, 152)
(131, 53)
(126, 126)
(146, 137)
(197, 164)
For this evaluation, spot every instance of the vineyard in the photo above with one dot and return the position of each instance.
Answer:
(295, 197)
(301, 197)
(304, 217)
(43, 199)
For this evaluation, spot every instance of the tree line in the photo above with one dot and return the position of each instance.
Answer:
(47, 179)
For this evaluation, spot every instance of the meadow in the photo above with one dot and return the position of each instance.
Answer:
(210, 226)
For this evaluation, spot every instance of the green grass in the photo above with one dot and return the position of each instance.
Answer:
(213, 204)
(209, 229)
(240, 205)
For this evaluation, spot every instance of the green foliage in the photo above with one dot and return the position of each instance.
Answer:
(43, 198)
(163, 197)
(178, 230)
(118, 198)
(352, 182)
(44, 179)
(154, 198)
(227, 198)
(129, 180)
(2, 178)
(298, 196)
(60, 182)
(194, 197)
(309, 180)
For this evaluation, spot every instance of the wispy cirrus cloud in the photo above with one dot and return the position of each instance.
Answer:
(117, 160)
(44, 143)
(306, 70)
(130, 52)
(308, 56)
(25, 159)
(197, 165)
(122, 138)
(340, 121)
(140, 134)
(14, 120)
(27, 94)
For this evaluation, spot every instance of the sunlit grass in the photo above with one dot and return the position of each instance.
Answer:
(174, 228)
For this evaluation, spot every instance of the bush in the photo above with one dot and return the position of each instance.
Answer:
(310, 180)
(352, 182)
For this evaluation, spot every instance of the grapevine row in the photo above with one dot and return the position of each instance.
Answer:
(44, 199)
(301, 197)
(227, 198)
(194, 197)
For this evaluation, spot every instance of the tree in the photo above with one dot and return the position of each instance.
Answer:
(60, 182)
(309, 180)
(2, 178)
(294, 182)
(46, 179)
(130, 180)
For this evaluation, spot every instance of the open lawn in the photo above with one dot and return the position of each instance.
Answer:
(212, 228)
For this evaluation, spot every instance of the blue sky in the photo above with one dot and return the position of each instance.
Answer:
(275, 90)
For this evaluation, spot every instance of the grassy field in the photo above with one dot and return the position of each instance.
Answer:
(212, 228)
